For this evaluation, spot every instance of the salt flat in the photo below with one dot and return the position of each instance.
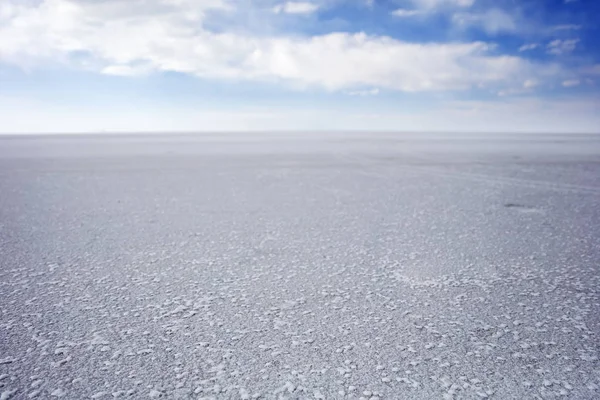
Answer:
(305, 265)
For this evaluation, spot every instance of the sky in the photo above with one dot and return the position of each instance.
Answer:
(223, 65)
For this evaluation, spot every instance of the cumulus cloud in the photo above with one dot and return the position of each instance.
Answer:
(571, 83)
(369, 92)
(567, 27)
(529, 46)
(341, 60)
(296, 8)
(433, 4)
(592, 70)
(492, 21)
(525, 88)
(403, 13)
(559, 46)
(530, 83)
(116, 38)
(422, 7)
(124, 70)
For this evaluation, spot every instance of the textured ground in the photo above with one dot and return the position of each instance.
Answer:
(300, 266)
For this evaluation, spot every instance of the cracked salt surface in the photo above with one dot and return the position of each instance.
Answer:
(388, 271)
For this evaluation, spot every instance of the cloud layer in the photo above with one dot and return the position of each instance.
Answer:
(115, 37)
(296, 8)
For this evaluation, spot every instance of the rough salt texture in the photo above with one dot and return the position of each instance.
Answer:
(309, 266)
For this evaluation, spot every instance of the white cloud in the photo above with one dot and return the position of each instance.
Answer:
(338, 61)
(492, 21)
(296, 8)
(403, 13)
(567, 27)
(116, 39)
(528, 86)
(530, 46)
(370, 92)
(124, 70)
(571, 83)
(422, 7)
(558, 46)
(495, 20)
(433, 4)
(592, 70)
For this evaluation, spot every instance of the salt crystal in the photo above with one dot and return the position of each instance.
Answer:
(58, 393)
(7, 394)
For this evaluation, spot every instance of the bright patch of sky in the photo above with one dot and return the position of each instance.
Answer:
(114, 65)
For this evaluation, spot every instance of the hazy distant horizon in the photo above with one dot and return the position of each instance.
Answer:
(292, 131)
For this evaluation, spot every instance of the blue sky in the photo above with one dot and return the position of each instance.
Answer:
(204, 65)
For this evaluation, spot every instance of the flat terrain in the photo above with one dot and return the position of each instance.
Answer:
(313, 266)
